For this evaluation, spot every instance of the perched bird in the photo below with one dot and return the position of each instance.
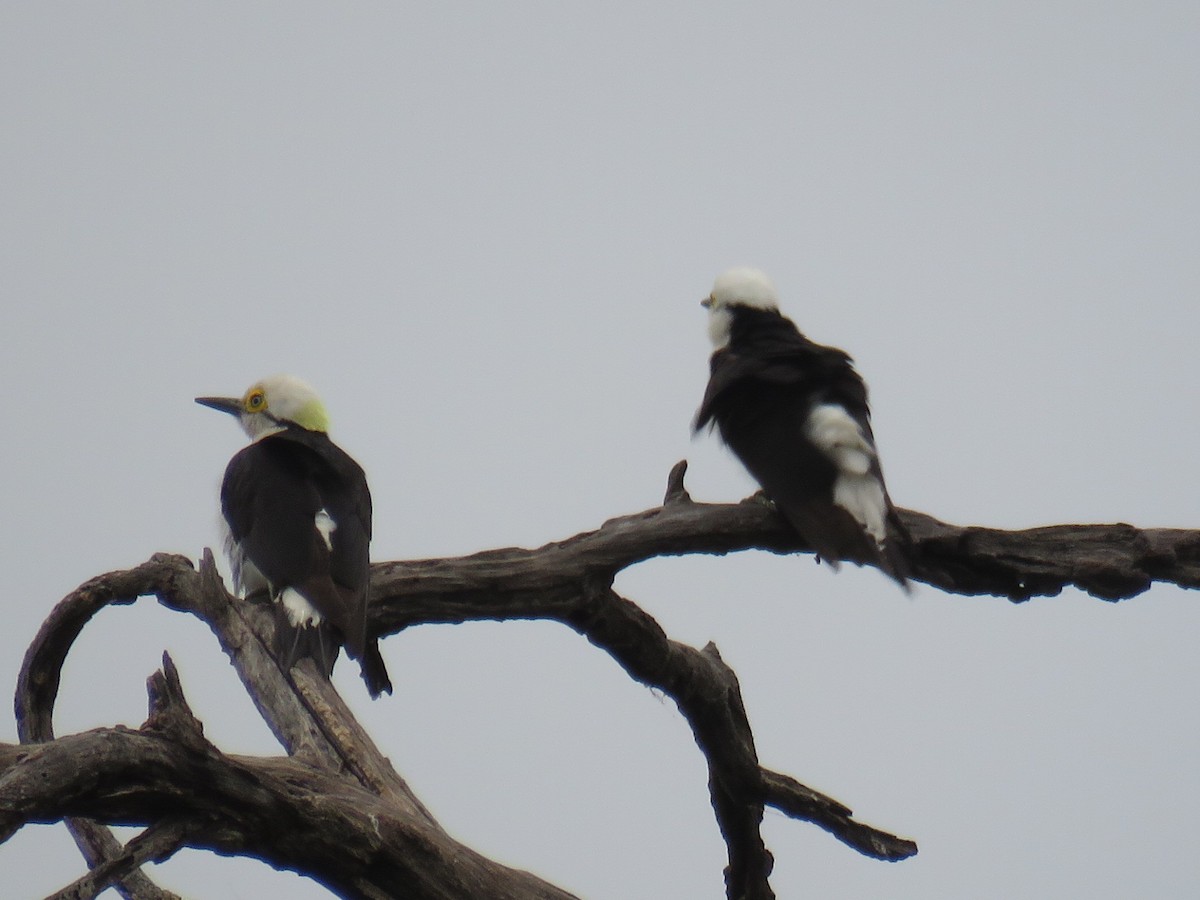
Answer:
(795, 413)
(299, 516)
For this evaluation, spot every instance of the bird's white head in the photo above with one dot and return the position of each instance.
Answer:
(270, 405)
(741, 286)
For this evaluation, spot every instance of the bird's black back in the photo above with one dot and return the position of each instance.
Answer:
(763, 385)
(767, 358)
(271, 494)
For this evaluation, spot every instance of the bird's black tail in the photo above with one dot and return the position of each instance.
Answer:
(293, 643)
(835, 535)
(895, 556)
(374, 672)
(321, 643)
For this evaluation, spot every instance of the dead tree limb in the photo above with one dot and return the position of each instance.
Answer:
(283, 811)
(568, 581)
(342, 815)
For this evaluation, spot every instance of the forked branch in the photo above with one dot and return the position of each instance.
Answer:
(335, 770)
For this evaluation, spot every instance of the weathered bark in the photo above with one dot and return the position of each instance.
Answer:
(284, 811)
(336, 782)
(342, 815)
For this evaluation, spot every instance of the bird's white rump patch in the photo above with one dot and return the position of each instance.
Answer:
(326, 526)
(856, 489)
(300, 613)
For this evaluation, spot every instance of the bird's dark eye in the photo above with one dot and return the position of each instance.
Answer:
(256, 401)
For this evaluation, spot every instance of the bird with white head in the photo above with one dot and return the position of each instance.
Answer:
(795, 413)
(298, 512)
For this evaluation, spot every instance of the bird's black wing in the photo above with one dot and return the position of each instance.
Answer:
(776, 357)
(270, 502)
(342, 487)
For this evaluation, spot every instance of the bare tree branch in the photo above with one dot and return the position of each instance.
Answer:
(1112, 562)
(284, 811)
(342, 788)
(793, 799)
(155, 844)
(566, 580)
(37, 689)
(337, 782)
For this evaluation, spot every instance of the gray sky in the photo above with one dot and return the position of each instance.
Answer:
(482, 233)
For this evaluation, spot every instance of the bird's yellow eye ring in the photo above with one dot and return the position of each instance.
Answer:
(256, 401)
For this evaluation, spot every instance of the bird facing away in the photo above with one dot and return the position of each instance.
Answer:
(795, 413)
(299, 516)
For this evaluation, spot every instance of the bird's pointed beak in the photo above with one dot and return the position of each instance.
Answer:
(707, 302)
(231, 405)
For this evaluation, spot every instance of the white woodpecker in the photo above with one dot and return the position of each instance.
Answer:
(298, 511)
(795, 413)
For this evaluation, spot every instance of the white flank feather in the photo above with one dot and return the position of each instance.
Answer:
(862, 497)
(856, 489)
(246, 577)
(839, 437)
